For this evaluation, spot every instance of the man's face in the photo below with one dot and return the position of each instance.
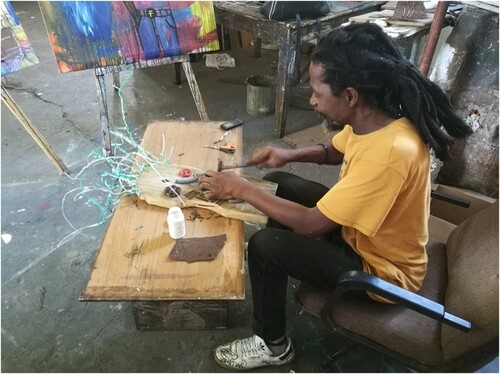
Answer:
(333, 108)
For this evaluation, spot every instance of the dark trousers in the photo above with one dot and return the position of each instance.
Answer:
(276, 252)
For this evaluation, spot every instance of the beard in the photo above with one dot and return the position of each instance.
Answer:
(332, 125)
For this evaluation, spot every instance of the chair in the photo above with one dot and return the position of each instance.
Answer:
(426, 331)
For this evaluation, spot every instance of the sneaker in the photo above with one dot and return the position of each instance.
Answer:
(251, 353)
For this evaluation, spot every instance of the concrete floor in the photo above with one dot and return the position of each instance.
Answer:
(44, 326)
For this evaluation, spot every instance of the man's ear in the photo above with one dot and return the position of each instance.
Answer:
(351, 96)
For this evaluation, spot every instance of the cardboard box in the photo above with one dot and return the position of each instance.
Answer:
(439, 229)
(446, 216)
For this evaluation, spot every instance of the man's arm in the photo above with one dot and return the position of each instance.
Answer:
(301, 219)
(333, 156)
(304, 220)
(277, 157)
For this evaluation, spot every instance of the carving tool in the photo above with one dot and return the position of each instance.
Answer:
(225, 148)
(221, 167)
(222, 137)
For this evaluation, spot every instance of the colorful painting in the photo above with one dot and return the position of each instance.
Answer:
(99, 34)
(16, 49)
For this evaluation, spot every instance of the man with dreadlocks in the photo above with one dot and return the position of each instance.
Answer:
(375, 217)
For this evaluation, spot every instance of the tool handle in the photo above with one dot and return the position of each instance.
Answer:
(227, 148)
(236, 166)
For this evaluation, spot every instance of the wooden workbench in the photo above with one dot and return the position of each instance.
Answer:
(133, 263)
(407, 34)
(245, 16)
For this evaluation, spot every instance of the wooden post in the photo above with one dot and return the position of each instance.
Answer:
(33, 131)
(103, 112)
(193, 85)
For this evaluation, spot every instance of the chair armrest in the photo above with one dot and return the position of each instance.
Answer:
(450, 199)
(359, 280)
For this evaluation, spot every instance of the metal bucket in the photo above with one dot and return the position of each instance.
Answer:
(261, 91)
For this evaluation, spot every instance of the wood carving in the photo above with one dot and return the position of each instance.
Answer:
(406, 10)
(153, 191)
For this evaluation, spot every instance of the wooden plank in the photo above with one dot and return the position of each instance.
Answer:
(492, 6)
(32, 130)
(180, 315)
(133, 262)
(385, 15)
(246, 38)
(142, 64)
(234, 39)
(251, 11)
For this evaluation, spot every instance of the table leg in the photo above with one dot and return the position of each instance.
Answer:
(286, 71)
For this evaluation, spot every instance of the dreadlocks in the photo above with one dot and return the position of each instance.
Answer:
(362, 56)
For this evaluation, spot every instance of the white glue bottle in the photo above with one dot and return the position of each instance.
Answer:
(176, 223)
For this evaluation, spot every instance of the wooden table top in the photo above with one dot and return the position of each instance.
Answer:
(246, 15)
(133, 262)
(251, 9)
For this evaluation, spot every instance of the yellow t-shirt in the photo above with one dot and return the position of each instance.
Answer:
(382, 201)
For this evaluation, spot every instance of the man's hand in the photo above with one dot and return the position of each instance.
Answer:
(222, 185)
(228, 185)
(269, 157)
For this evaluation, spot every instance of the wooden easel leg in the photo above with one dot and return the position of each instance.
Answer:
(193, 85)
(103, 113)
(32, 130)
(286, 71)
(116, 81)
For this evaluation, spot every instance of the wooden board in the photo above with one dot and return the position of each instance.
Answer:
(386, 16)
(190, 195)
(133, 262)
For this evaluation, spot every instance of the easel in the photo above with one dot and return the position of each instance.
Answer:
(115, 70)
(32, 130)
